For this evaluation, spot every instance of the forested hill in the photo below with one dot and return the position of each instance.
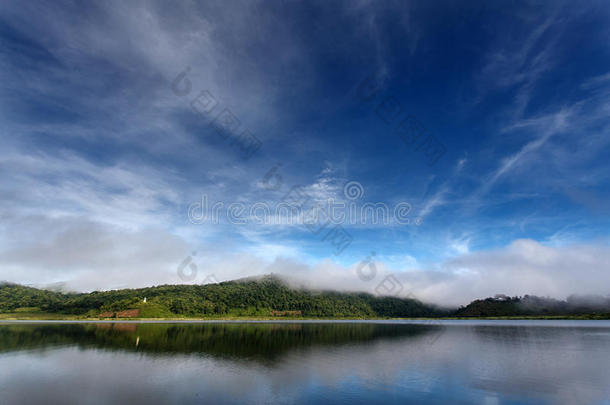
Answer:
(530, 305)
(270, 296)
(267, 296)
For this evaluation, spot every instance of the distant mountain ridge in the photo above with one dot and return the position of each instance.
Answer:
(531, 305)
(271, 296)
(253, 296)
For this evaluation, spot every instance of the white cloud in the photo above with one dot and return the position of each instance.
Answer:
(523, 267)
(86, 255)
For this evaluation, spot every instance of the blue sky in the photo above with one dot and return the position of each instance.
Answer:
(102, 159)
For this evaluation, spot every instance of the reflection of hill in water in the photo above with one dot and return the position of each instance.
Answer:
(232, 341)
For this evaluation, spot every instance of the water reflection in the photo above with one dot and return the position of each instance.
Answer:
(259, 342)
(304, 363)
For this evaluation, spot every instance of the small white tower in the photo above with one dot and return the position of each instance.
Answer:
(145, 300)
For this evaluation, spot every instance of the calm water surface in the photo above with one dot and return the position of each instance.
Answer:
(453, 362)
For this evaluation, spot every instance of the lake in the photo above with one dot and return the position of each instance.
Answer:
(395, 362)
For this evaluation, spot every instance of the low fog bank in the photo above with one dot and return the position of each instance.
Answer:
(579, 274)
(89, 258)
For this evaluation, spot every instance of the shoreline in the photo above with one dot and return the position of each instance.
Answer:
(12, 317)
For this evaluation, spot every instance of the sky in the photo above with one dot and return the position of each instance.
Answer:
(476, 134)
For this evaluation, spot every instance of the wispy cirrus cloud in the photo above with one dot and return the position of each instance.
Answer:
(95, 144)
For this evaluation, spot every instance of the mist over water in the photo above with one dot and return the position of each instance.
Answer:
(306, 362)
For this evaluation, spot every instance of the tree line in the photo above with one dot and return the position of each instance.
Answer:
(270, 296)
(234, 298)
